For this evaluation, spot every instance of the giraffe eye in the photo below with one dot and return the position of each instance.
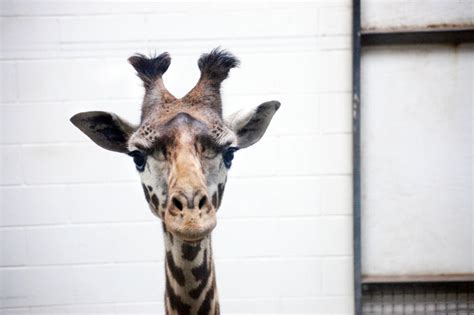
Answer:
(139, 158)
(209, 152)
(160, 154)
(228, 156)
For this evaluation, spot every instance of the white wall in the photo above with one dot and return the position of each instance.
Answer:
(76, 234)
(413, 14)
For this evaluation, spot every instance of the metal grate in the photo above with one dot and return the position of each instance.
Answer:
(452, 298)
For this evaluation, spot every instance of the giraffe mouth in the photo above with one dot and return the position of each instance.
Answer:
(190, 228)
(191, 236)
(190, 240)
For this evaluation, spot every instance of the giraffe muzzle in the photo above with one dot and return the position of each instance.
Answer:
(190, 216)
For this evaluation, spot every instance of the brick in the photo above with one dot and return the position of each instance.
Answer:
(336, 195)
(63, 245)
(338, 159)
(338, 276)
(16, 311)
(335, 236)
(103, 309)
(336, 113)
(95, 244)
(77, 79)
(8, 83)
(327, 236)
(107, 203)
(24, 33)
(336, 69)
(13, 249)
(11, 171)
(335, 21)
(283, 305)
(304, 155)
(33, 205)
(299, 155)
(282, 237)
(43, 52)
(39, 8)
(261, 22)
(73, 203)
(138, 242)
(269, 278)
(39, 286)
(257, 160)
(56, 117)
(266, 70)
(324, 305)
(121, 50)
(103, 28)
(252, 243)
(141, 308)
(118, 81)
(60, 80)
(271, 197)
(74, 164)
(77, 285)
(241, 306)
(298, 114)
(125, 283)
(341, 42)
(11, 287)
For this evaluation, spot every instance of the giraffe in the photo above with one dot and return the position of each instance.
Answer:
(183, 149)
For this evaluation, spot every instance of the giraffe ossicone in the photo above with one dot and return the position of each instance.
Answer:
(183, 149)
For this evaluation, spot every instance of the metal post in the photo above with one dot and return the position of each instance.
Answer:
(356, 51)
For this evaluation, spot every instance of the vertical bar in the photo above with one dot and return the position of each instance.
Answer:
(356, 154)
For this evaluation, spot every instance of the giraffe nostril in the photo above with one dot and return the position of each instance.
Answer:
(177, 203)
(202, 202)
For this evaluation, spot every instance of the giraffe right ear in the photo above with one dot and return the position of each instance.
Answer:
(249, 126)
(106, 129)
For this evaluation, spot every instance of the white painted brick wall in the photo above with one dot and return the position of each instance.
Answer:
(75, 232)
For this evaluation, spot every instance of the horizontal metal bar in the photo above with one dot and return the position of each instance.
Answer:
(418, 279)
(417, 36)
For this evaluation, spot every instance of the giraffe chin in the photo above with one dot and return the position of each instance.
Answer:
(191, 236)
(190, 231)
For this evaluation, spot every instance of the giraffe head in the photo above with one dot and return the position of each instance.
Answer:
(182, 148)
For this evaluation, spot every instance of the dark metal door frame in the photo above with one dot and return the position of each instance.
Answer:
(362, 38)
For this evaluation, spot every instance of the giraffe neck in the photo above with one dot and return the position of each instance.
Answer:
(190, 277)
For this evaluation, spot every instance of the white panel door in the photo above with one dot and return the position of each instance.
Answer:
(417, 160)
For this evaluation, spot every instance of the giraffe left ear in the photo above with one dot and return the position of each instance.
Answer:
(106, 129)
(251, 125)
